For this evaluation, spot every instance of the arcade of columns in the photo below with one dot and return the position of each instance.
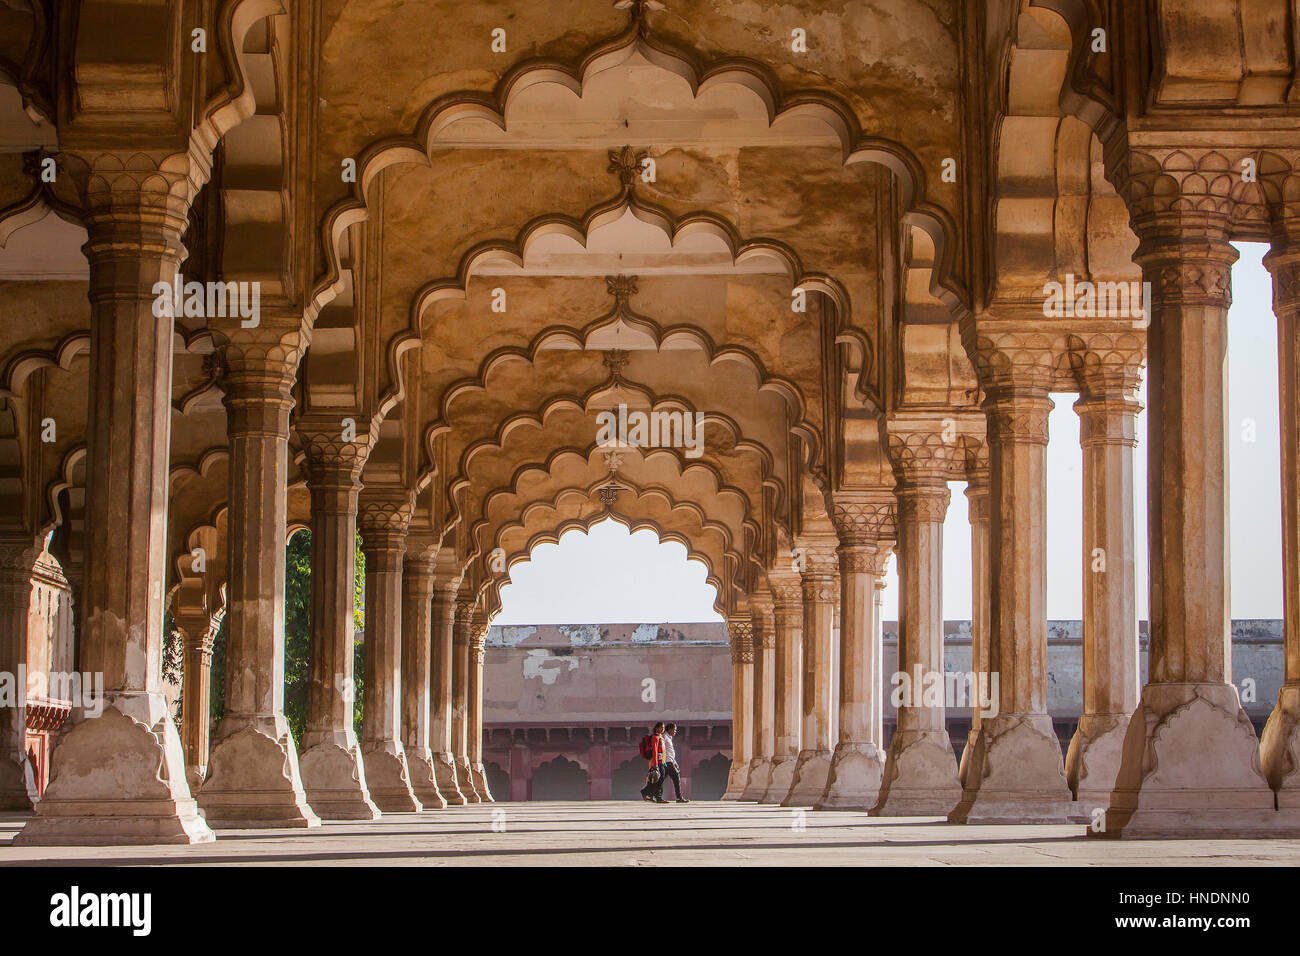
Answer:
(469, 248)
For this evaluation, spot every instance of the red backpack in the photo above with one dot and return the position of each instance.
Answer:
(648, 747)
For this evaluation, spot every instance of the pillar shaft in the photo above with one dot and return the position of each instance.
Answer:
(198, 632)
(920, 775)
(333, 773)
(977, 508)
(474, 702)
(118, 773)
(787, 593)
(17, 775)
(1016, 772)
(1190, 763)
(820, 584)
(253, 774)
(857, 766)
(741, 633)
(416, 700)
(440, 719)
(460, 715)
(384, 521)
(1108, 412)
(1280, 742)
(764, 716)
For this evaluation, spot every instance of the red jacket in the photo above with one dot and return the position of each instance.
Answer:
(656, 751)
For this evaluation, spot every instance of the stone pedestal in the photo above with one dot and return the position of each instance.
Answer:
(333, 775)
(253, 776)
(385, 516)
(741, 632)
(787, 594)
(820, 596)
(1015, 772)
(118, 774)
(417, 636)
(858, 764)
(1108, 412)
(764, 727)
(920, 777)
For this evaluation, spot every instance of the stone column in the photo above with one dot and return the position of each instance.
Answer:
(1190, 765)
(1280, 742)
(118, 770)
(741, 631)
(878, 672)
(440, 722)
(920, 776)
(253, 777)
(1108, 410)
(474, 699)
(417, 597)
(17, 775)
(460, 716)
(762, 615)
(977, 511)
(1016, 773)
(198, 628)
(858, 764)
(819, 580)
(333, 774)
(787, 594)
(385, 516)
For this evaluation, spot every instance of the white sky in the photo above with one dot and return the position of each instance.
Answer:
(611, 576)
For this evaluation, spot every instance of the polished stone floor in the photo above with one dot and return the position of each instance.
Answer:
(640, 834)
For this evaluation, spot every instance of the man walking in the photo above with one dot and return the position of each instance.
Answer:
(670, 768)
(652, 748)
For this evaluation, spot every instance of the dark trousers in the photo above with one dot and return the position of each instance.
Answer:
(655, 790)
(670, 771)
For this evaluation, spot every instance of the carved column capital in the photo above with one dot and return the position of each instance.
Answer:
(328, 460)
(383, 518)
(862, 520)
(741, 632)
(1018, 415)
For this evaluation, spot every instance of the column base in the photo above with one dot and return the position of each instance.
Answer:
(1092, 762)
(118, 779)
(1279, 748)
(810, 776)
(760, 776)
(253, 777)
(465, 778)
(479, 776)
(444, 775)
(782, 779)
(419, 761)
(334, 779)
(388, 778)
(17, 783)
(963, 765)
(920, 776)
(857, 771)
(737, 780)
(1191, 768)
(1016, 774)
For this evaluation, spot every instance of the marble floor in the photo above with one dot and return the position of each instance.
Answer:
(626, 833)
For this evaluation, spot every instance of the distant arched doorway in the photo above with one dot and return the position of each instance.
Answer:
(560, 779)
(709, 778)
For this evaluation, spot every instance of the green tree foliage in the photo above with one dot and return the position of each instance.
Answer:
(297, 637)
